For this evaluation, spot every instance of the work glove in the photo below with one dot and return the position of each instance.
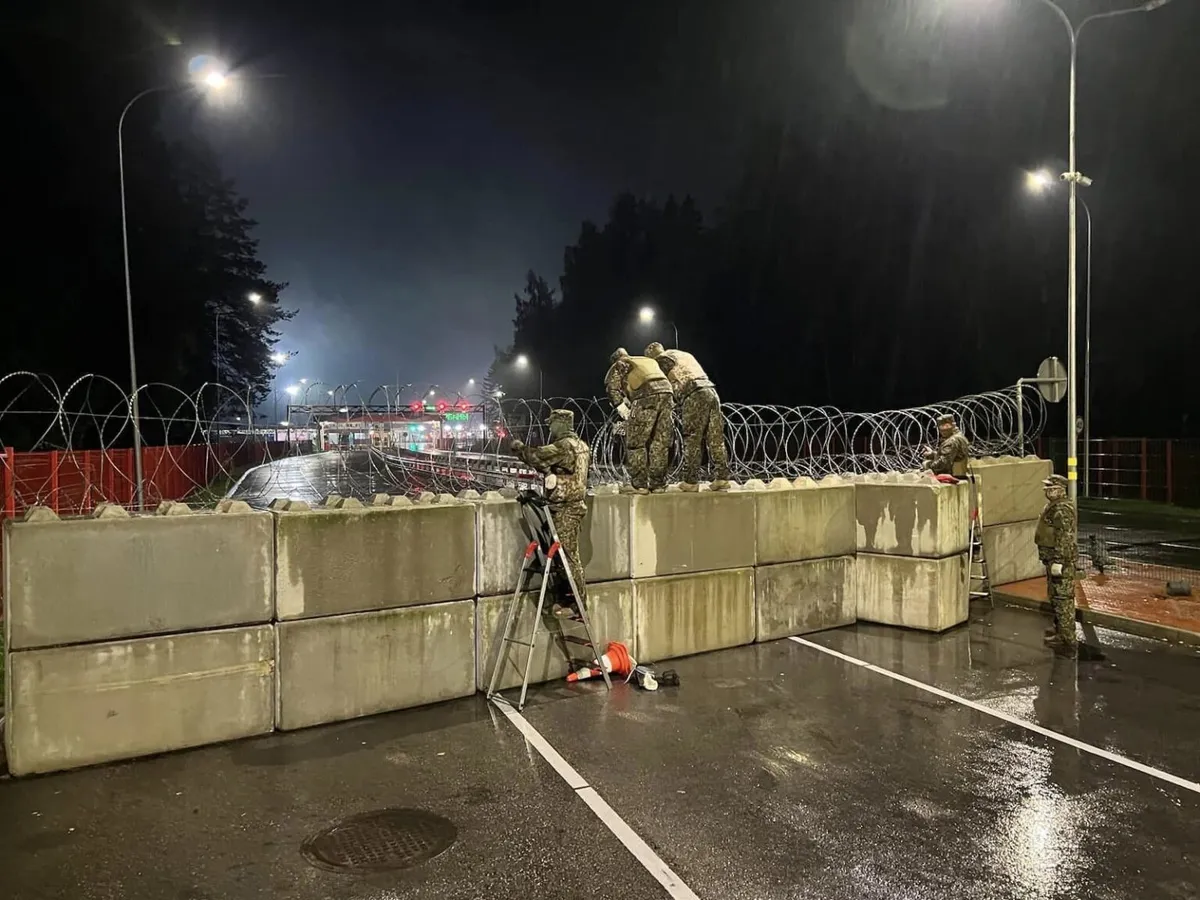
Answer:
(517, 446)
(551, 482)
(623, 411)
(1056, 570)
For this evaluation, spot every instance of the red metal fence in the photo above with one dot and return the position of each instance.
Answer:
(1163, 470)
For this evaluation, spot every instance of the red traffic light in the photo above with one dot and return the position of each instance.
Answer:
(464, 405)
(416, 406)
(442, 406)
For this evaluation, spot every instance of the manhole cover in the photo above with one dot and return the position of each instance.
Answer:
(380, 840)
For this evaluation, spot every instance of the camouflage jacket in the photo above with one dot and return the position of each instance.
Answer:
(951, 457)
(634, 378)
(567, 460)
(1055, 534)
(684, 372)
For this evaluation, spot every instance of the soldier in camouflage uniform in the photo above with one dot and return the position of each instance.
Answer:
(1057, 549)
(564, 462)
(640, 391)
(700, 408)
(953, 454)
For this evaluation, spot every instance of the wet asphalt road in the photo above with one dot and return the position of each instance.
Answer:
(774, 771)
(311, 478)
(1144, 539)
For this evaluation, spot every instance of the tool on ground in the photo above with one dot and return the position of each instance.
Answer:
(543, 556)
(979, 585)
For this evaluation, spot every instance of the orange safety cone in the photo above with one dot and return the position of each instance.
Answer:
(616, 661)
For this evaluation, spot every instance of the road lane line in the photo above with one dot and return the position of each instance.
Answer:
(1012, 720)
(641, 851)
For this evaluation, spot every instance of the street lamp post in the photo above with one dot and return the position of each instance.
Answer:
(522, 362)
(213, 79)
(1039, 182)
(646, 316)
(1073, 177)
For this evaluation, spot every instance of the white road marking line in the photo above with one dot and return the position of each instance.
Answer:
(641, 851)
(1012, 720)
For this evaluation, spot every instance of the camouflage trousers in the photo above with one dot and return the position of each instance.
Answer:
(703, 427)
(568, 520)
(648, 433)
(1060, 591)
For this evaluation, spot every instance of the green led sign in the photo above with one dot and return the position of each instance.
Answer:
(457, 416)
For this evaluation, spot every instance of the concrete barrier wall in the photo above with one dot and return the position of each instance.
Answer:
(912, 515)
(503, 535)
(398, 605)
(342, 667)
(94, 703)
(74, 581)
(1011, 487)
(1011, 553)
(802, 597)
(336, 561)
(678, 533)
(610, 609)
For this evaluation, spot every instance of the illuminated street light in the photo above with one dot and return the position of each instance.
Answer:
(304, 381)
(522, 361)
(292, 390)
(279, 358)
(254, 297)
(1073, 178)
(211, 69)
(1039, 183)
(646, 316)
(471, 381)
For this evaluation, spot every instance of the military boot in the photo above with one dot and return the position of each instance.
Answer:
(628, 489)
(688, 487)
(721, 484)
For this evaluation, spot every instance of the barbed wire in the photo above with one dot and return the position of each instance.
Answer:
(74, 440)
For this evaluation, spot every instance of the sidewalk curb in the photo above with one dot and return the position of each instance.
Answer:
(1108, 620)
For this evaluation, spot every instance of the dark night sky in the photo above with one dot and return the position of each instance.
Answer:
(419, 157)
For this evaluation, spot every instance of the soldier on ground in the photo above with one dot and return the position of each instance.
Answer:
(1057, 549)
(700, 410)
(642, 394)
(564, 462)
(953, 453)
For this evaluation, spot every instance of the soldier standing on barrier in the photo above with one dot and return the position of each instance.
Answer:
(564, 462)
(953, 453)
(700, 410)
(1058, 549)
(642, 394)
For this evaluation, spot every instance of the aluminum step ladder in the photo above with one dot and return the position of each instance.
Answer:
(543, 556)
(979, 584)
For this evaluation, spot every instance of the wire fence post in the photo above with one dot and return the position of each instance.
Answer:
(54, 480)
(1170, 475)
(1145, 473)
(8, 462)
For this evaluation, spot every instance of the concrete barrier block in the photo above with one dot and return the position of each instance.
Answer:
(927, 594)
(343, 667)
(807, 523)
(1011, 553)
(801, 597)
(1011, 487)
(96, 703)
(503, 536)
(671, 534)
(83, 580)
(610, 609)
(913, 519)
(685, 614)
(331, 562)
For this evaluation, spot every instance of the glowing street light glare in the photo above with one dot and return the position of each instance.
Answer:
(285, 422)
(330, 393)
(292, 390)
(471, 381)
(522, 361)
(215, 80)
(432, 392)
(279, 358)
(254, 297)
(1039, 181)
(304, 381)
(646, 315)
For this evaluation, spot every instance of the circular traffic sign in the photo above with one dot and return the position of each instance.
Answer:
(1052, 379)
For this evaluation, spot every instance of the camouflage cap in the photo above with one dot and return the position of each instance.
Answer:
(653, 350)
(947, 419)
(1055, 481)
(618, 353)
(562, 417)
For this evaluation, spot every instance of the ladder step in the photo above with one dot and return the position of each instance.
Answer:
(515, 641)
(977, 595)
(573, 639)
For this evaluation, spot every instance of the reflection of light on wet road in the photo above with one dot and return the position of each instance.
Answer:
(1039, 844)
